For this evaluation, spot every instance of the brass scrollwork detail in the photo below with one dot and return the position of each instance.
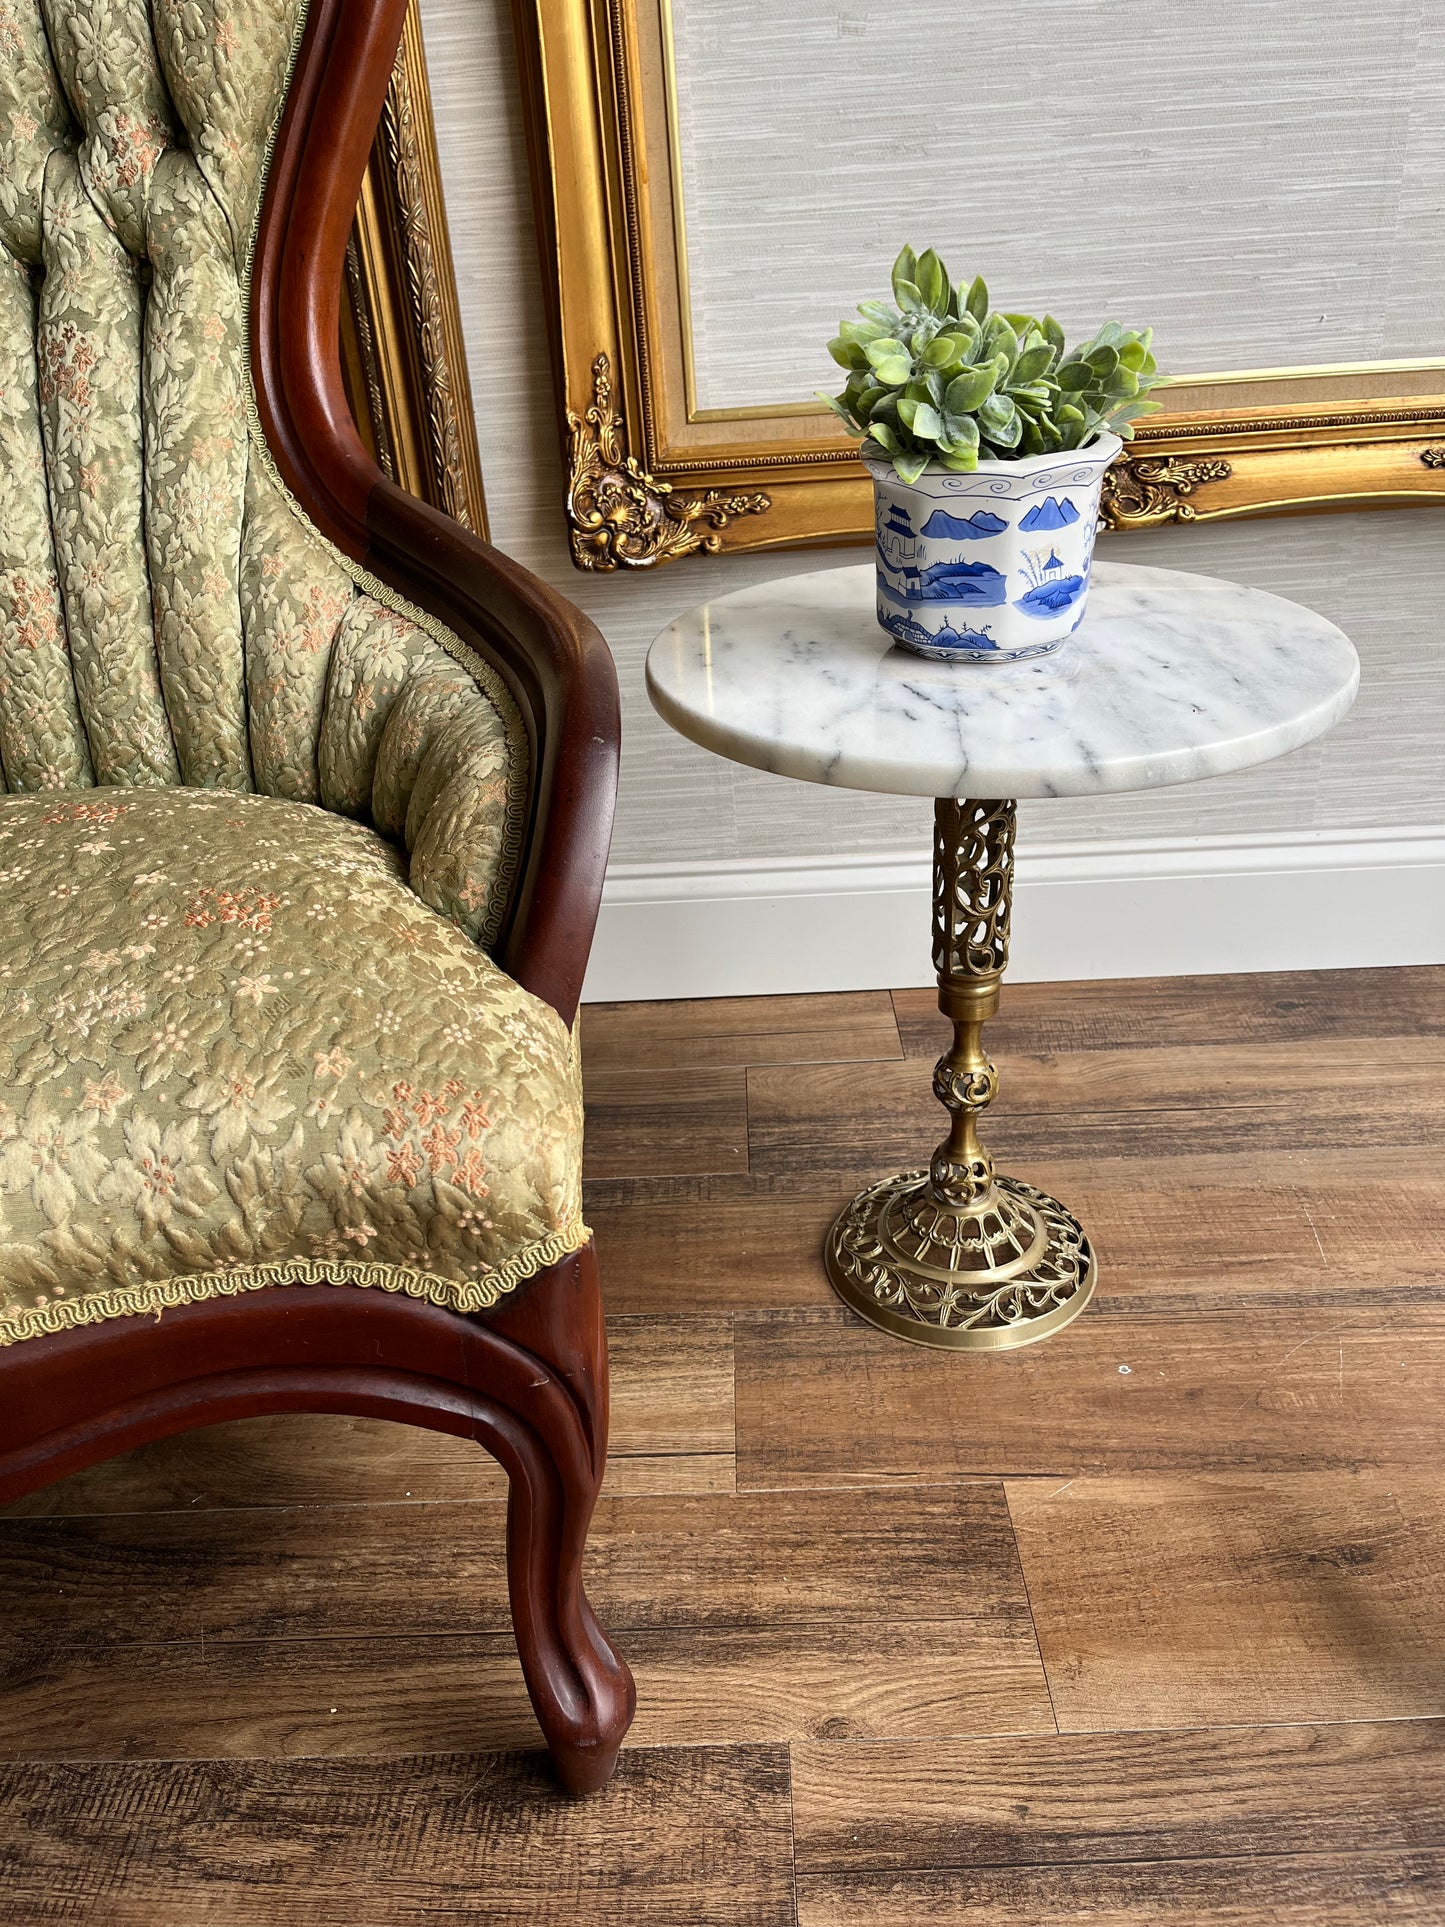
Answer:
(974, 1087)
(1434, 458)
(1145, 491)
(997, 1269)
(973, 853)
(619, 515)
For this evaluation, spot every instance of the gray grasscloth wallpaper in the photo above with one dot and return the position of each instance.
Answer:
(1380, 575)
(1268, 211)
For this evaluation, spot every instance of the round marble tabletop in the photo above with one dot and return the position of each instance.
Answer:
(1169, 677)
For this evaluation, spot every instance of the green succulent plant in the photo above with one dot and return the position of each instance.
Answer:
(940, 379)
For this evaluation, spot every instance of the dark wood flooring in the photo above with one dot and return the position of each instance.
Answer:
(1144, 1624)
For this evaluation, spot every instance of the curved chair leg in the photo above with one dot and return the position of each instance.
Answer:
(581, 1691)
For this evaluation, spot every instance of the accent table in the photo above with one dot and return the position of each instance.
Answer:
(1169, 678)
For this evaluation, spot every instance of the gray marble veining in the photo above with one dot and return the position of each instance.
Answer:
(1170, 677)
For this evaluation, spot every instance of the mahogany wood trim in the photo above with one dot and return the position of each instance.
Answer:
(530, 1387)
(552, 657)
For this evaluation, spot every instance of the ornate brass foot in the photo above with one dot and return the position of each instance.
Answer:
(956, 1255)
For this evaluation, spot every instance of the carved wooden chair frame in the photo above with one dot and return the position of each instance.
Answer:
(527, 1380)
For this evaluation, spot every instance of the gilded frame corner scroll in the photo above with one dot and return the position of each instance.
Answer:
(652, 477)
(403, 354)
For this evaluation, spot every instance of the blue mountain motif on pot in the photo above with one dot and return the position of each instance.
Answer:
(971, 582)
(1052, 513)
(945, 641)
(1052, 588)
(971, 528)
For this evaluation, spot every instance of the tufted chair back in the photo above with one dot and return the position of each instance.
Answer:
(167, 616)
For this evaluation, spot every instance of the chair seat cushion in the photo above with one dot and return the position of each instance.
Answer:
(236, 1050)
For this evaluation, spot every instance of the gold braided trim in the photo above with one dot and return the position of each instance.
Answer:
(162, 1294)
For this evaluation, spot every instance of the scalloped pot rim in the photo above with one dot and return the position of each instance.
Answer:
(1105, 446)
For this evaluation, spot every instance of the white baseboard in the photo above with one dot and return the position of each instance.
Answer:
(1326, 900)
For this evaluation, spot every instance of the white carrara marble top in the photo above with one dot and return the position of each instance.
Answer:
(1169, 677)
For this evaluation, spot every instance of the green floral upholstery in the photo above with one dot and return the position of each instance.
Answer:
(166, 616)
(243, 1038)
(236, 1049)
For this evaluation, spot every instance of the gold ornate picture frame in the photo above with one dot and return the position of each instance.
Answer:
(403, 355)
(652, 477)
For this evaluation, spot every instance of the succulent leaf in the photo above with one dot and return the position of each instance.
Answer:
(1033, 362)
(840, 409)
(932, 283)
(891, 361)
(999, 337)
(905, 272)
(959, 432)
(970, 390)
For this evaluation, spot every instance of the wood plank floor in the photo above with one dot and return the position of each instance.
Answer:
(1144, 1624)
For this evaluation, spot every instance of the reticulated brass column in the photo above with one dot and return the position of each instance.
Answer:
(973, 856)
(957, 1255)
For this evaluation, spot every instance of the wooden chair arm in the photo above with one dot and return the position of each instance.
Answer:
(554, 661)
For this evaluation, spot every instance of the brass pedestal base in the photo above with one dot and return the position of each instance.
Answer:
(957, 1255)
(1001, 1272)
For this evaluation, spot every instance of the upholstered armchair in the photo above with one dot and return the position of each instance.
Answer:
(307, 802)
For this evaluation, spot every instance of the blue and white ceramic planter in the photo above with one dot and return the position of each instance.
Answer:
(992, 566)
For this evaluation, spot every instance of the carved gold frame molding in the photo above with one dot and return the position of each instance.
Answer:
(402, 350)
(652, 477)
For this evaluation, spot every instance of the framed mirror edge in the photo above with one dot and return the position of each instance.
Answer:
(403, 352)
(650, 478)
